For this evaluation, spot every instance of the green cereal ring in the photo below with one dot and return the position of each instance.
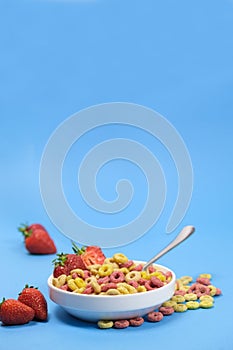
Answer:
(192, 305)
(186, 279)
(206, 304)
(180, 307)
(178, 298)
(169, 303)
(120, 258)
(213, 290)
(206, 297)
(205, 275)
(190, 296)
(104, 324)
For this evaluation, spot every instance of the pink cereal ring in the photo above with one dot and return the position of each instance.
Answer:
(218, 291)
(142, 281)
(151, 269)
(137, 268)
(103, 280)
(86, 274)
(108, 286)
(149, 285)
(166, 310)
(202, 280)
(180, 292)
(156, 282)
(127, 264)
(155, 316)
(88, 290)
(117, 277)
(133, 283)
(137, 321)
(121, 324)
(168, 274)
(64, 287)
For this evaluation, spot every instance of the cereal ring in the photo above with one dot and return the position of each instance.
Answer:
(159, 275)
(79, 282)
(203, 280)
(79, 272)
(121, 324)
(88, 290)
(207, 297)
(141, 289)
(213, 290)
(107, 286)
(156, 282)
(96, 287)
(186, 279)
(218, 292)
(151, 269)
(180, 292)
(190, 296)
(123, 290)
(145, 275)
(117, 276)
(105, 270)
(127, 264)
(178, 298)
(155, 316)
(104, 324)
(192, 305)
(127, 286)
(103, 280)
(133, 284)
(180, 307)
(169, 303)
(133, 276)
(124, 270)
(71, 284)
(112, 291)
(137, 321)
(166, 310)
(206, 304)
(120, 258)
(205, 275)
(138, 267)
(61, 280)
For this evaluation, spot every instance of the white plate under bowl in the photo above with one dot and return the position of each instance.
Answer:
(93, 308)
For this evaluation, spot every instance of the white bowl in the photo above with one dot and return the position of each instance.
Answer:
(93, 308)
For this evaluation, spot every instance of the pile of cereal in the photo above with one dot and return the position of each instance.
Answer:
(188, 295)
(115, 276)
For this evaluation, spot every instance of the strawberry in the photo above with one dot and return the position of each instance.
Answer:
(80, 259)
(37, 240)
(13, 312)
(32, 297)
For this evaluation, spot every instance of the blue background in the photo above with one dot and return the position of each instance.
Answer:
(176, 57)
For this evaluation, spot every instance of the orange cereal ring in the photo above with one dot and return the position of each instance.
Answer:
(121, 324)
(155, 316)
(137, 321)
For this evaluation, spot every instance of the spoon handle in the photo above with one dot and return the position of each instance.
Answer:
(184, 234)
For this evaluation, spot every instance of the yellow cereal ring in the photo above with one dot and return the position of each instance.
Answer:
(145, 275)
(192, 305)
(112, 291)
(186, 279)
(62, 280)
(79, 290)
(94, 269)
(123, 290)
(79, 282)
(95, 285)
(105, 324)
(120, 258)
(105, 270)
(133, 276)
(71, 284)
(124, 270)
(159, 275)
(55, 282)
(205, 275)
(90, 279)
(178, 298)
(180, 307)
(206, 297)
(129, 288)
(169, 303)
(213, 290)
(190, 296)
(109, 261)
(206, 304)
(141, 289)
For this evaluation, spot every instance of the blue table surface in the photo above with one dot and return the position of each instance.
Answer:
(58, 57)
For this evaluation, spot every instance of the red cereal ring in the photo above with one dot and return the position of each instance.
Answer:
(117, 277)
(103, 280)
(142, 281)
(166, 310)
(107, 286)
(155, 316)
(121, 324)
(156, 282)
(137, 321)
(149, 285)
(202, 280)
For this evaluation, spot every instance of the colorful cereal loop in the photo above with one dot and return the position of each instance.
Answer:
(120, 258)
(178, 298)
(206, 304)
(136, 322)
(121, 324)
(205, 275)
(192, 305)
(105, 324)
(155, 316)
(190, 297)
(207, 297)
(132, 276)
(105, 270)
(180, 308)
(169, 303)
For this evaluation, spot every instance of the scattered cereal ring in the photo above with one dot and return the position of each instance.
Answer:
(120, 258)
(155, 316)
(186, 279)
(104, 324)
(137, 321)
(205, 275)
(192, 305)
(190, 296)
(105, 270)
(180, 292)
(213, 290)
(121, 324)
(180, 308)
(169, 303)
(178, 298)
(206, 297)
(206, 304)
(203, 280)
(166, 310)
(218, 292)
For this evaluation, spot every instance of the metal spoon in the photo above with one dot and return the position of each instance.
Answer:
(184, 234)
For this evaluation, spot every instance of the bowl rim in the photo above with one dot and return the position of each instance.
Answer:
(98, 296)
